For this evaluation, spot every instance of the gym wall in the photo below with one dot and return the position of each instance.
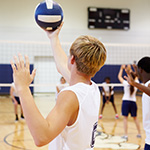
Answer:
(17, 21)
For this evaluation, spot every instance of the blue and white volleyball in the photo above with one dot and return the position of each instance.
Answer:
(48, 15)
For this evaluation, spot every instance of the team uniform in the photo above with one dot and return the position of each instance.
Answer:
(15, 94)
(108, 89)
(129, 101)
(81, 135)
(146, 117)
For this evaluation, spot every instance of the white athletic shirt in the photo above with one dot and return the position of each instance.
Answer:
(107, 89)
(81, 135)
(126, 95)
(14, 93)
(146, 114)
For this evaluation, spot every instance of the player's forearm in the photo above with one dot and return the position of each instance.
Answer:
(142, 88)
(60, 57)
(37, 124)
(120, 73)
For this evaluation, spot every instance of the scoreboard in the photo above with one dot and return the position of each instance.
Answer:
(107, 18)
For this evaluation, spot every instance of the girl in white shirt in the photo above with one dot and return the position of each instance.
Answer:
(129, 103)
(16, 101)
(61, 85)
(108, 96)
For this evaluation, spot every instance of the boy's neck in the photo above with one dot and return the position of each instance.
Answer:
(77, 77)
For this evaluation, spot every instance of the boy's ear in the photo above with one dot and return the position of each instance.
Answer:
(140, 70)
(72, 59)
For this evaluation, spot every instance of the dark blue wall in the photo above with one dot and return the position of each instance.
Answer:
(6, 77)
(108, 71)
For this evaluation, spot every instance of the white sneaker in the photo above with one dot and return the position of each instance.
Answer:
(125, 137)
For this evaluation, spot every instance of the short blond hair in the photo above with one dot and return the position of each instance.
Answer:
(89, 53)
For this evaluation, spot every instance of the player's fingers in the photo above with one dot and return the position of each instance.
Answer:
(128, 73)
(33, 73)
(123, 66)
(17, 62)
(59, 28)
(135, 68)
(129, 67)
(13, 66)
(21, 61)
(27, 62)
(125, 77)
(61, 25)
(49, 32)
(127, 70)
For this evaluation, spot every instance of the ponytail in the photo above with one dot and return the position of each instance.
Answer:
(132, 87)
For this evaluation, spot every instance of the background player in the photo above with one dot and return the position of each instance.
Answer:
(129, 102)
(108, 96)
(143, 71)
(62, 84)
(16, 101)
(72, 122)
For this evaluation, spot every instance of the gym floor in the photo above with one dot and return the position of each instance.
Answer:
(16, 136)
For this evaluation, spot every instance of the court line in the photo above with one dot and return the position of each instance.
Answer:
(5, 140)
(105, 140)
(2, 112)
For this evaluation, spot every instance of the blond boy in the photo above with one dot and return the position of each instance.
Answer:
(72, 122)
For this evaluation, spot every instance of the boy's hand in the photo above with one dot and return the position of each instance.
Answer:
(53, 34)
(21, 72)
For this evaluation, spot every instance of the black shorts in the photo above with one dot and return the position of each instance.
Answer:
(17, 99)
(147, 147)
(129, 107)
(111, 99)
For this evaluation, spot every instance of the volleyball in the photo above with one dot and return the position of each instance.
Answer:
(48, 15)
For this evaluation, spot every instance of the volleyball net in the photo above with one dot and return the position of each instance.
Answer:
(47, 77)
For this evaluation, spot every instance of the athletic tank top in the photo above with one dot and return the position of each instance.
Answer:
(126, 95)
(146, 114)
(81, 135)
(107, 89)
(14, 93)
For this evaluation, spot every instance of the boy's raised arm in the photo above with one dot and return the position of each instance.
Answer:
(43, 130)
(60, 56)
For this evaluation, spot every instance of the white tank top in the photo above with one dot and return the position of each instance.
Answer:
(126, 95)
(81, 135)
(146, 114)
(14, 93)
(107, 89)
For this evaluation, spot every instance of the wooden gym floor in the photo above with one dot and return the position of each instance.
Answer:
(16, 136)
